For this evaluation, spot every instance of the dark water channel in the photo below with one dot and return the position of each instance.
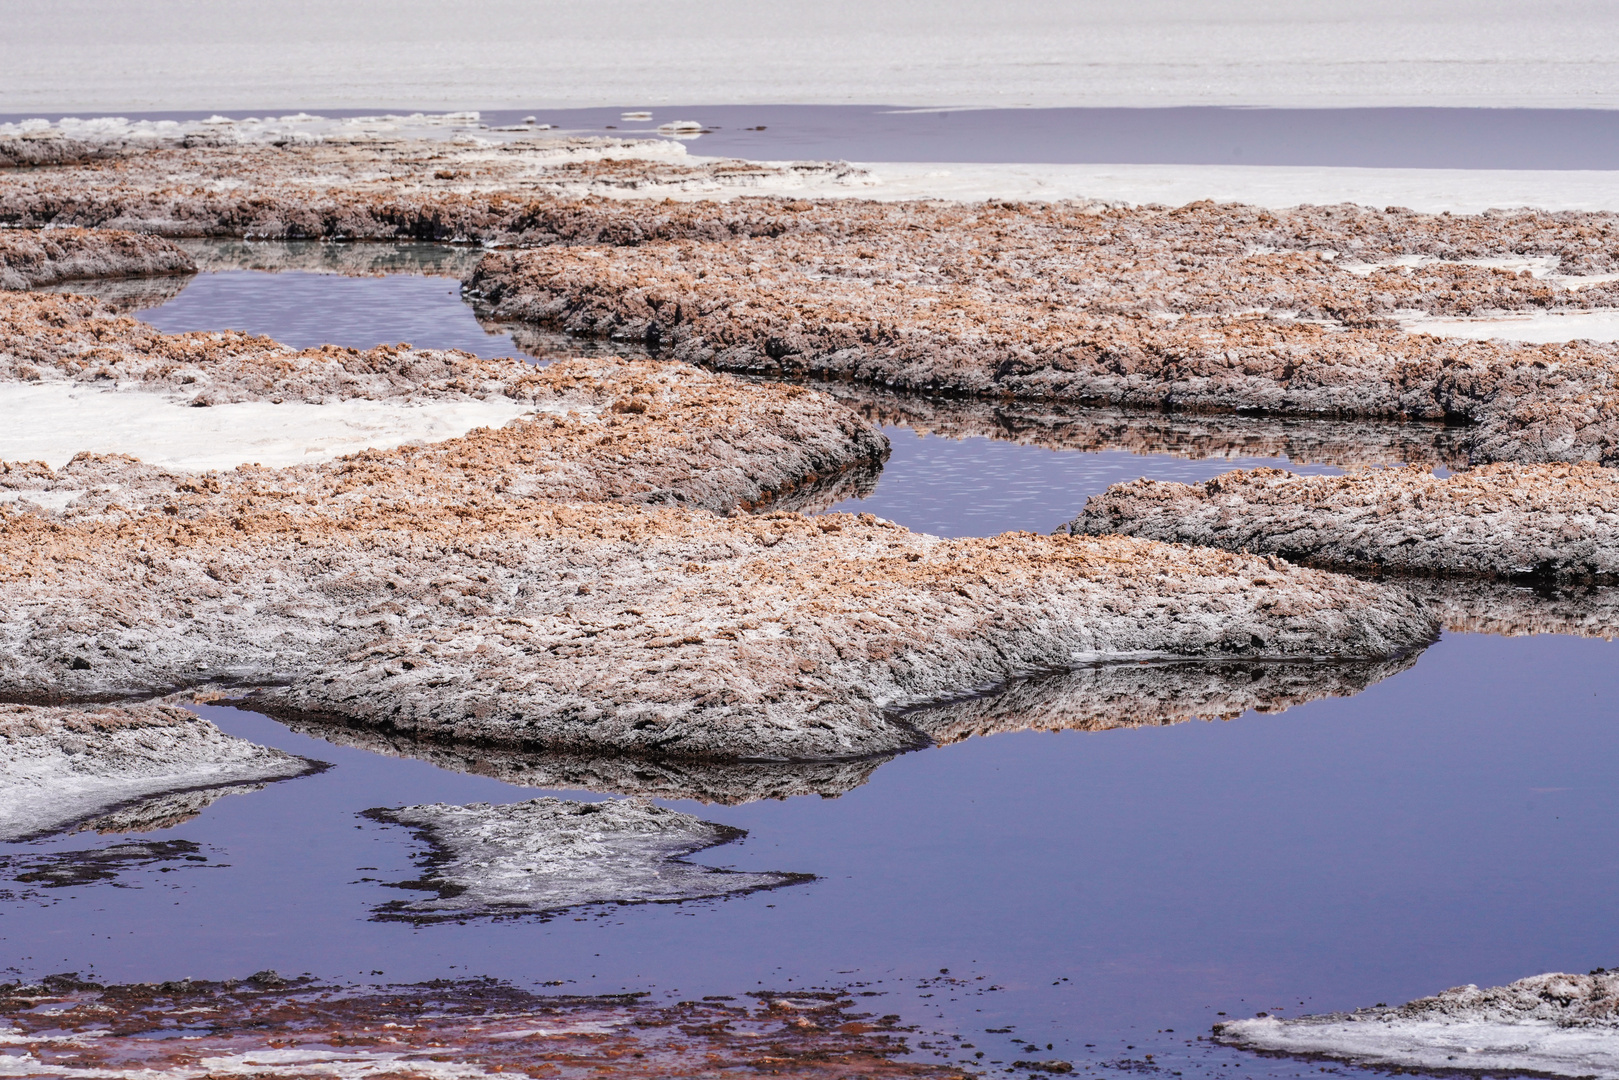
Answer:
(1456, 821)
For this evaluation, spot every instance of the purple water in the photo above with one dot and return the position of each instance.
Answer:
(1457, 822)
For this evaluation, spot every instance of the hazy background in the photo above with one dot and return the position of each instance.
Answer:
(142, 55)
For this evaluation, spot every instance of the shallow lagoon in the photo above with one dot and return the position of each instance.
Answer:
(1453, 823)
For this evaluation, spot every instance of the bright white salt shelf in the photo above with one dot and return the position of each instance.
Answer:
(1484, 1045)
(53, 421)
(1461, 191)
(1541, 327)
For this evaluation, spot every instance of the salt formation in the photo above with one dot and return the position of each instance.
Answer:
(549, 854)
(60, 766)
(30, 258)
(1503, 521)
(1547, 1025)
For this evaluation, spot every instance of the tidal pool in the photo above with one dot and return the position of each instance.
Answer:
(1111, 893)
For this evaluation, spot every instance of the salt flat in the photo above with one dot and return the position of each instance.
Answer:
(148, 54)
(53, 421)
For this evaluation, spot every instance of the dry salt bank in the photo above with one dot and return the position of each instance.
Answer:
(717, 484)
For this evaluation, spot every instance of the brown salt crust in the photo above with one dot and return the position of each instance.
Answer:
(387, 189)
(597, 627)
(33, 257)
(778, 307)
(267, 1026)
(1496, 521)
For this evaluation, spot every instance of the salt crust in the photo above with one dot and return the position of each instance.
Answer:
(62, 766)
(1205, 308)
(507, 587)
(549, 854)
(31, 258)
(1549, 1025)
(1547, 521)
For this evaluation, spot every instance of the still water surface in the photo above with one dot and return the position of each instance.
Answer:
(1456, 822)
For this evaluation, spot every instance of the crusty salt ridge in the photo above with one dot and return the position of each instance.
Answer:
(1505, 521)
(1205, 308)
(1098, 697)
(549, 854)
(1547, 1025)
(385, 188)
(414, 594)
(34, 257)
(65, 765)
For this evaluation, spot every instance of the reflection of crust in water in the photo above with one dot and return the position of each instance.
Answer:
(356, 259)
(267, 1026)
(547, 855)
(1108, 696)
(1060, 426)
(163, 811)
(721, 782)
(1497, 607)
(125, 295)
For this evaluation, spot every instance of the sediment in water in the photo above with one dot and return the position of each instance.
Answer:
(269, 1026)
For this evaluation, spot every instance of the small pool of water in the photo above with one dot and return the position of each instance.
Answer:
(1110, 893)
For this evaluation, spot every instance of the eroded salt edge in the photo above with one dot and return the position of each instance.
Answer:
(1553, 1024)
(53, 421)
(54, 778)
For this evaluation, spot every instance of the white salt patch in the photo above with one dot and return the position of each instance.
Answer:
(1461, 191)
(1482, 1045)
(47, 500)
(52, 421)
(1540, 327)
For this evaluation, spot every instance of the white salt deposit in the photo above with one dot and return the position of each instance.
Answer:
(52, 421)
(56, 771)
(1540, 327)
(1460, 191)
(549, 854)
(1554, 1024)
